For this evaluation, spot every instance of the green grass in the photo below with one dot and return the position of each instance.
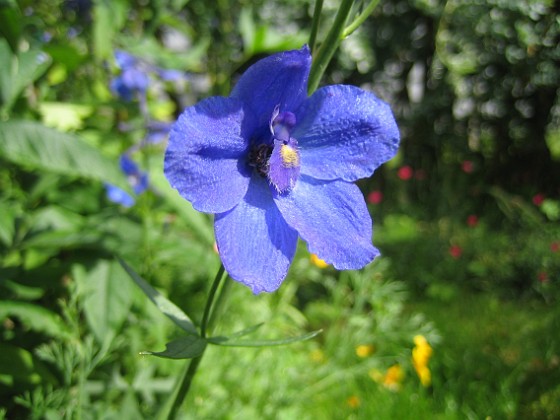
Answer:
(497, 358)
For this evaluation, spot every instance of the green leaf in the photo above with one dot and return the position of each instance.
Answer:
(227, 341)
(6, 57)
(23, 292)
(63, 239)
(33, 145)
(7, 225)
(168, 308)
(19, 71)
(107, 297)
(34, 317)
(185, 347)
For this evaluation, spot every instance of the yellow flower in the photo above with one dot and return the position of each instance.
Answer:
(353, 401)
(318, 261)
(421, 354)
(394, 377)
(364, 350)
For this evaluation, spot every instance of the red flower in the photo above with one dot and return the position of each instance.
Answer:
(405, 173)
(375, 197)
(555, 246)
(538, 199)
(467, 166)
(455, 251)
(472, 220)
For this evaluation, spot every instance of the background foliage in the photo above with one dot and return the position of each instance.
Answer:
(466, 215)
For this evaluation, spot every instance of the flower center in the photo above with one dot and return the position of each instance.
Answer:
(278, 159)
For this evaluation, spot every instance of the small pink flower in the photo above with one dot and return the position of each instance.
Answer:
(543, 277)
(472, 220)
(455, 251)
(555, 246)
(405, 173)
(538, 199)
(375, 197)
(467, 166)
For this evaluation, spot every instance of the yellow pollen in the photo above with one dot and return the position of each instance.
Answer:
(290, 156)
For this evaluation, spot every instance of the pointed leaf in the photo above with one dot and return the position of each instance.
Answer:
(185, 347)
(226, 341)
(169, 309)
(34, 145)
(19, 71)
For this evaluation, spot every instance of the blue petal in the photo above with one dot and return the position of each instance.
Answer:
(128, 166)
(119, 88)
(124, 59)
(344, 133)
(280, 79)
(135, 80)
(205, 158)
(119, 196)
(255, 243)
(333, 219)
(139, 183)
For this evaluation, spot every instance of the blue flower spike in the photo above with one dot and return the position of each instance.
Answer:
(273, 165)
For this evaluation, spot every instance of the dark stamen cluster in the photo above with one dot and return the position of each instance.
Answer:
(258, 158)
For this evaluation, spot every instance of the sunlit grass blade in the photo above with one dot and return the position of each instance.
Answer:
(169, 309)
(226, 341)
(186, 347)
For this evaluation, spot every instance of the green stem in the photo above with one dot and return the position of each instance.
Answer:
(315, 24)
(183, 386)
(219, 305)
(183, 390)
(329, 46)
(210, 302)
(360, 19)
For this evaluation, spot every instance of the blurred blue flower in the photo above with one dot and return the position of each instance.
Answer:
(132, 79)
(119, 196)
(273, 165)
(137, 179)
(157, 131)
(134, 76)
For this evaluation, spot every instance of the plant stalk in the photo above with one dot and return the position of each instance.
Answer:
(184, 384)
(329, 46)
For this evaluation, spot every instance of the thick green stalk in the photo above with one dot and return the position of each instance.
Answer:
(329, 46)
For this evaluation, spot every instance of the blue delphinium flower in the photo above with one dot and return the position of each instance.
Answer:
(273, 165)
(137, 179)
